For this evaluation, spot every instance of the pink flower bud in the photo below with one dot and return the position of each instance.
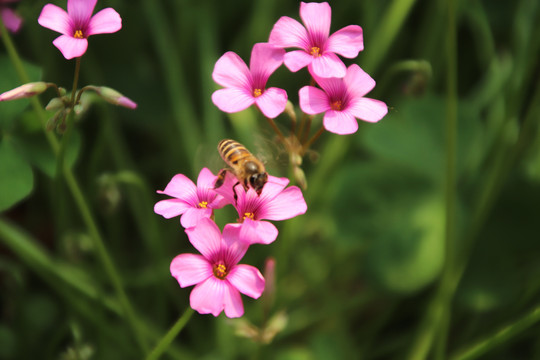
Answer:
(24, 91)
(114, 97)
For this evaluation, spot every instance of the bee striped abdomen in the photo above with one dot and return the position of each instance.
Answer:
(233, 152)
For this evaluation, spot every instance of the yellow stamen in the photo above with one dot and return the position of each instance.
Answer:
(78, 34)
(220, 271)
(249, 215)
(315, 51)
(336, 105)
(203, 204)
(257, 92)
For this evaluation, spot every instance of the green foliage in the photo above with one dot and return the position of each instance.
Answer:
(359, 275)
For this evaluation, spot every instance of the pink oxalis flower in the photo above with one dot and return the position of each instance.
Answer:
(342, 101)
(318, 49)
(11, 21)
(247, 86)
(218, 277)
(192, 202)
(77, 24)
(274, 203)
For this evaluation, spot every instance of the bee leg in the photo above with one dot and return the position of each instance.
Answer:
(234, 191)
(220, 178)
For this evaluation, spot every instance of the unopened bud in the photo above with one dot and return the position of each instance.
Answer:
(114, 97)
(24, 91)
(277, 323)
(270, 283)
(289, 110)
(55, 104)
(300, 177)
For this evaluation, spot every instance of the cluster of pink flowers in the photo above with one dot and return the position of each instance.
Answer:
(341, 96)
(218, 277)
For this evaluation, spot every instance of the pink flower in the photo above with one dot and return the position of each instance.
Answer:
(194, 203)
(77, 24)
(318, 49)
(9, 18)
(218, 277)
(274, 203)
(342, 100)
(244, 87)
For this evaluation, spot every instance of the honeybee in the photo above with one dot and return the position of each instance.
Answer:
(249, 170)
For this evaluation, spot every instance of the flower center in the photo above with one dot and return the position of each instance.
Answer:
(257, 92)
(336, 105)
(220, 270)
(203, 204)
(78, 34)
(249, 215)
(315, 51)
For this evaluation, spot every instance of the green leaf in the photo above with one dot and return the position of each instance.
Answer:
(38, 152)
(413, 135)
(16, 178)
(9, 110)
(398, 216)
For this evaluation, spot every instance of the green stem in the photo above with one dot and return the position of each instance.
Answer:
(315, 136)
(79, 200)
(69, 121)
(166, 341)
(276, 129)
(499, 337)
(437, 317)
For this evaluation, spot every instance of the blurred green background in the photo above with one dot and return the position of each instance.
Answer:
(362, 275)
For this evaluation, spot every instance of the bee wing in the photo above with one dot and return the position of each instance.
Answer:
(270, 150)
(206, 155)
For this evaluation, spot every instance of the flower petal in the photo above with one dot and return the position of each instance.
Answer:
(206, 179)
(193, 216)
(334, 87)
(368, 109)
(272, 102)
(340, 122)
(55, 18)
(357, 81)
(11, 20)
(208, 296)
(205, 237)
(247, 279)
(286, 205)
(105, 21)
(80, 11)
(287, 33)
(232, 301)
(329, 65)
(71, 47)
(271, 189)
(265, 59)
(313, 100)
(171, 207)
(296, 60)
(190, 269)
(232, 100)
(317, 18)
(347, 42)
(232, 72)
(181, 187)
(258, 232)
(236, 247)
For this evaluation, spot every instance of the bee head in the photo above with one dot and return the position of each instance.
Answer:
(257, 181)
